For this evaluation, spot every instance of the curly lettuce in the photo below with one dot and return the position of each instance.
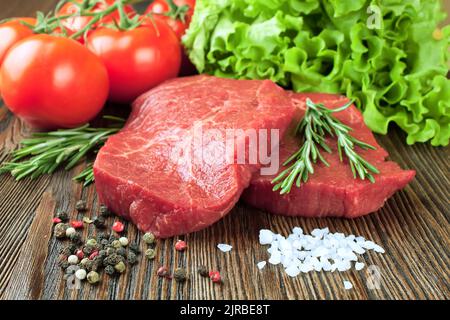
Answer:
(389, 56)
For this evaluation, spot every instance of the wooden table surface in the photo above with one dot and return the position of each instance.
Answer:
(413, 227)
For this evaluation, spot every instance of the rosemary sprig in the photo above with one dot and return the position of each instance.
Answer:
(45, 152)
(86, 176)
(316, 124)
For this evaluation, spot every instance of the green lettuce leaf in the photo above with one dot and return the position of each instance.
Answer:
(387, 55)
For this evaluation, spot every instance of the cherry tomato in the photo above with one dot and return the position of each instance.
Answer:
(53, 82)
(179, 26)
(12, 32)
(75, 24)
(137, 59)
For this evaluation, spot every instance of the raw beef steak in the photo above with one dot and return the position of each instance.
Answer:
(152, 172)
(331, 191)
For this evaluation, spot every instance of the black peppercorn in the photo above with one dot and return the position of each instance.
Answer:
(110, 251)
(131, 257)
(81, 205)
(134, 247)
(109, 270)
(113, 237)
(203, 271)
(112, 260)
(104, 242)
(121, 251)
(63, 264)
(179, 275)
(99, 222)
(88, 265)
(87, 249)
(102, 236)
(75, 238)
(97, 263)
(65, 251)
(102, 254)
(104, 211)
(63, 216)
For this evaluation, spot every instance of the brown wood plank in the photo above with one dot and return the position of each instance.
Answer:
(413, 227)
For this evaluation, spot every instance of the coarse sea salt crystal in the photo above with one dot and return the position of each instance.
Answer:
(265, 236)
(261, 264)
(347, 285)
(359, 266)
(318, 251)
(224, 247)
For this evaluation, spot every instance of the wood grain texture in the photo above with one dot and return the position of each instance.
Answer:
(413, 227)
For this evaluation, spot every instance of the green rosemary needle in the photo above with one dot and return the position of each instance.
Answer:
(317, 123)
(45, 152)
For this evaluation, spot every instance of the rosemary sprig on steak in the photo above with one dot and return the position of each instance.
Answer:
(317, 123)
(45, 152)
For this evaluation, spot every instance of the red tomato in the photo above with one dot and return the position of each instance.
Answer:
(12, 32)
(162, 7)
(75, 24)
(53, 82)
(138, 59)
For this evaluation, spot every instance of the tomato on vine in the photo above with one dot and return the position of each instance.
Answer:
(176, 13)
(53, 82)
(137, 58)
(76, 23)
(12, 32)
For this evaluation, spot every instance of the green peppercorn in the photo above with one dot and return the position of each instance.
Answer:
(150, 253)
(99, 222)
(75, 238)
(179, 275)
(91, 242)
(104, 211)
(84, 261)
(149, 238)
(116, 244)
(60, 230)
(131, 257)
(81, 205)
(110, 251)
(93, 277)
(134, 247)
(63, 216)
(109, 270)
(121, 251)
(120, 267)
(203, 271)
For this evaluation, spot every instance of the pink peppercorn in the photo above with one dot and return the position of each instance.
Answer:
(215, 276)
(79, 253)
(180, 245)
(118, 226)
(57, 220)
(76, 224)
(93, 255)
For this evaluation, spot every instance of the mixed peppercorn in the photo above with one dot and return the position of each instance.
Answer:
(108, 252)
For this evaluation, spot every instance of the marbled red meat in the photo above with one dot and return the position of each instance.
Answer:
(137, 175)
(331, 191)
